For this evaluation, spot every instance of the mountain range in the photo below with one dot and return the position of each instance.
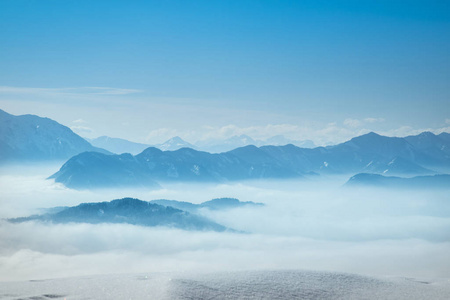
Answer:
(127, 211)
(418, 182)
(220, 145)
(369, 153)
(32, 138)
(119, 146)
(214, 204)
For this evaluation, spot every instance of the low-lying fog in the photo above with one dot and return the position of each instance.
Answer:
(315, 225)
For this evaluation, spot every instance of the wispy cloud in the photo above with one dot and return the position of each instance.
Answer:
(260, 132)
(354, 123)
(81, 129)
(110, 91)
(68, 90)
(328, 134)
(79, 121)
(374, 120)
(223, 132)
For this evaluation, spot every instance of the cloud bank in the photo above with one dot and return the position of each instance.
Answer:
(313, 225)
(322, 135)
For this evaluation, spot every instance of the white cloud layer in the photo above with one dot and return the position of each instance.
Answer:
(305, 225)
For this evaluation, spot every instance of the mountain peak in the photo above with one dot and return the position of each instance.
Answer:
(427, 134)
(371, 134)
(175, 139)
(150, 151)
(245, 148)
(174, 143)
(37, 139)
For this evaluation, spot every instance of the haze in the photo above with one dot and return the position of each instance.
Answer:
(316, 225)
(152, 70)
(218, 74)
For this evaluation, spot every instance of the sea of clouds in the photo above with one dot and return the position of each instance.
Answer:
(304, 225)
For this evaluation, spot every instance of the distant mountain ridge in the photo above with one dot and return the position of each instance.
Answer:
(127, 211)
(95, 170)
(214, 204)
(32, 138)
(174, 144)
(418, 182)
(118, 146)
(369, 153)
(219, 145)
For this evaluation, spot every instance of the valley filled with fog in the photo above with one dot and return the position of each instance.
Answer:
(366, 218)
(308, 224)
(224, 150)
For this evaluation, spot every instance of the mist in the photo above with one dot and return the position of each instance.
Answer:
(309, 225)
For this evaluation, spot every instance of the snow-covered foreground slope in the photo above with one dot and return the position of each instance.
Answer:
(231, 285)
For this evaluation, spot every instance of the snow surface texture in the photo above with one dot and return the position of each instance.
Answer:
(231, 285)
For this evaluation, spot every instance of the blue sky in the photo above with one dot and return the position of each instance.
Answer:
(322, 70)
